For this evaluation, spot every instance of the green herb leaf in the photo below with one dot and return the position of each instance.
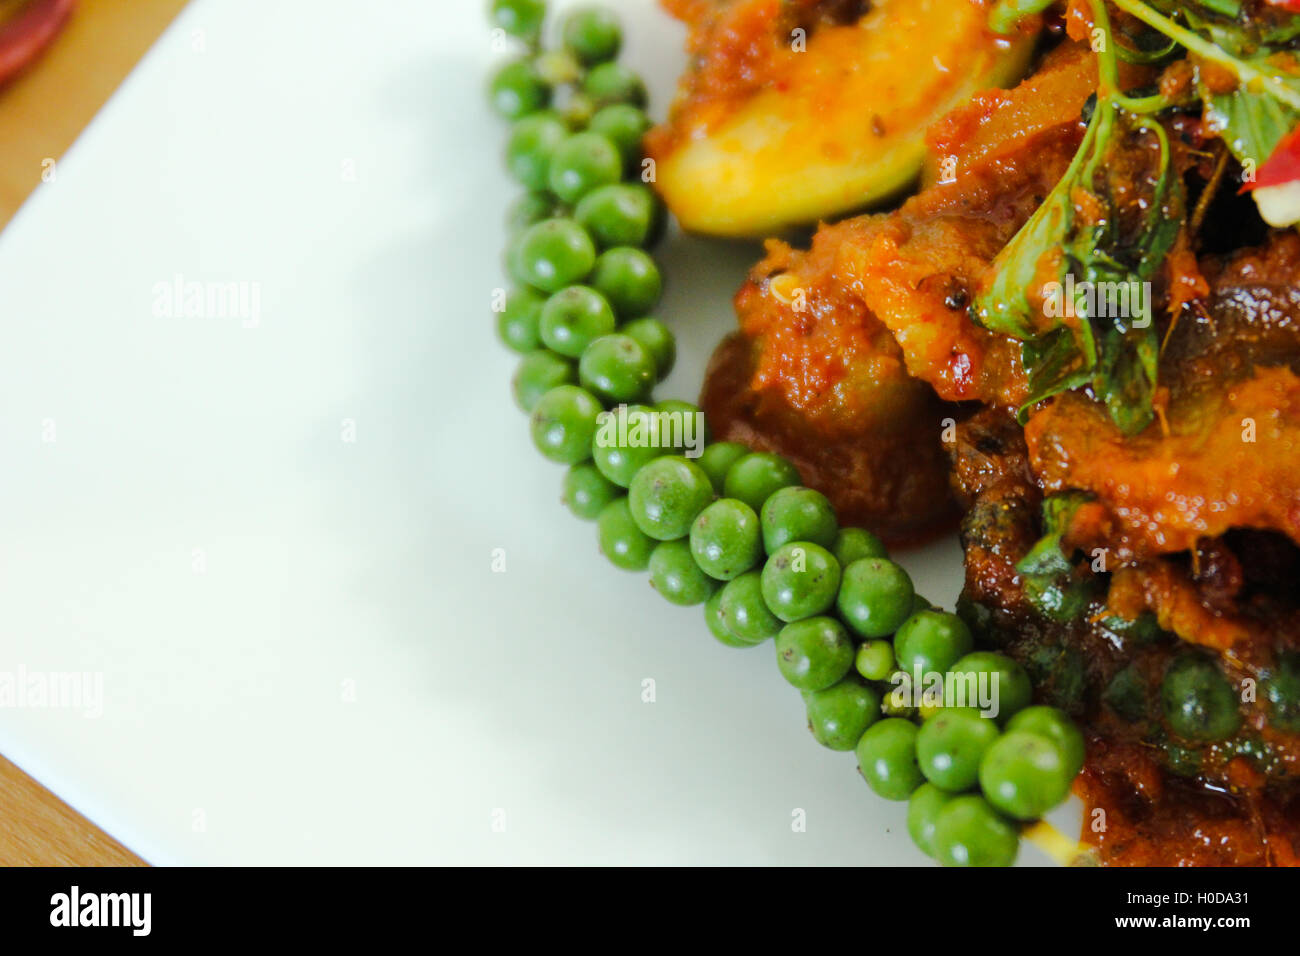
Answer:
(1250, 124)
(1051, 582)
(1110, 340)
(1047, 557)
(1056, 364)
(1117, 354)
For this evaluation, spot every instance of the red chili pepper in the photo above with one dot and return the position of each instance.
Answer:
(1282, 165)
(24, 37)
(1292, 5)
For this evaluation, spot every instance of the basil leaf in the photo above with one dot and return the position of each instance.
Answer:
(1103, 277)
(1125, 379)
(1047, 556)
(1056, 364)
(1051, 583)
(1250, 123)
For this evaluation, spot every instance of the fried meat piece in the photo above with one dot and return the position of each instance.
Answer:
(1223, 453)
(845, 346)
(1150, 797)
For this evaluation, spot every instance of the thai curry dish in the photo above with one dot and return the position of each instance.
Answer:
(1052, 300)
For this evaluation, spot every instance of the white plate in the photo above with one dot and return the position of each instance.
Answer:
(272, 535)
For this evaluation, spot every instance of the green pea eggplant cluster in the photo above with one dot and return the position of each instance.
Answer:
(732, 529)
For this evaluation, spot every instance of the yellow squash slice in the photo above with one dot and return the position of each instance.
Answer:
(841, 125)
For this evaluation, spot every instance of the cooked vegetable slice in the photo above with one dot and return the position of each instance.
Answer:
(834, 128)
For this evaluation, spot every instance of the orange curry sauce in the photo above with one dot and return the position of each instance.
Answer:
(858, 383)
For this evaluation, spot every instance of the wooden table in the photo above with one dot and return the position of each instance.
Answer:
(41, 114)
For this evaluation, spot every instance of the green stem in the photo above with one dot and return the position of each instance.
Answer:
(1145, 57)
(1206, 50)
(1007, 13)
(1107, 66)
(1142, 105)
(1108, 72)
